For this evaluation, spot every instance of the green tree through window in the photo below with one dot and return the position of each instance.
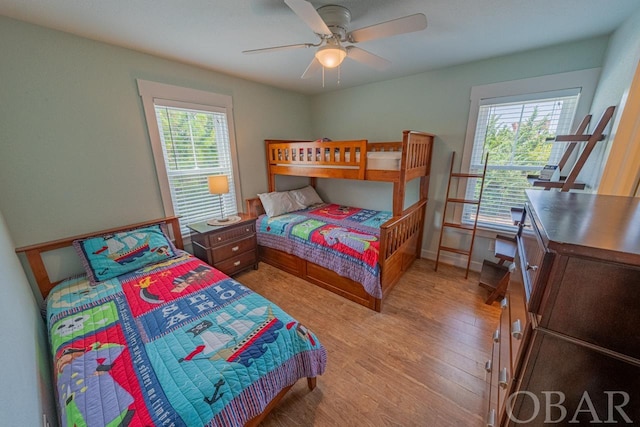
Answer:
(515, 136)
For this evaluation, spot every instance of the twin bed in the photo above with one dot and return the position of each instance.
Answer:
(151, 335)
(299, 241)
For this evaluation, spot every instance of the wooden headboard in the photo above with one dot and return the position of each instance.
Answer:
(34, 252)
(254, 207)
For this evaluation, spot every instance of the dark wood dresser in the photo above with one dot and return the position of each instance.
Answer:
(567, 350)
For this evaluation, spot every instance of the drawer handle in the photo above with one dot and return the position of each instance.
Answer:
(516, 329)
(246, 229)
(496, 336)
(237, 263)
(487, 366)
(503, 378)
(504, 303)
(219, 238)
(531, 267)
(491, 418)
(235, 248)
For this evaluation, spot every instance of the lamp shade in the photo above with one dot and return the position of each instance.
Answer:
(218, 184)
(330, 56)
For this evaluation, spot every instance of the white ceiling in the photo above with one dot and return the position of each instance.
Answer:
(213, 33)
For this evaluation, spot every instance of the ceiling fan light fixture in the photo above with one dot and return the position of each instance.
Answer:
(330, 56)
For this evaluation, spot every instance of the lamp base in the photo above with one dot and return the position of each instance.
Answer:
(224, 221)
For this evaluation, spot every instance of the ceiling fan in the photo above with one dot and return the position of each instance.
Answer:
(331, 24)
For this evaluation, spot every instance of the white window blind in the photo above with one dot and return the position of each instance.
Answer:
(195, 145)
(513, 130)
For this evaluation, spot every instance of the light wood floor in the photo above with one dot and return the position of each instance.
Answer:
(418, 363)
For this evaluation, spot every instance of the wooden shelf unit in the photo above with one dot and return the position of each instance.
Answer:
(568, 182)
(461, 201)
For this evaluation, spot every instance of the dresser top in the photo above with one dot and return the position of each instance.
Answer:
(606, 227)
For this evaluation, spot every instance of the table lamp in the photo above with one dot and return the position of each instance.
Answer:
(219, 184)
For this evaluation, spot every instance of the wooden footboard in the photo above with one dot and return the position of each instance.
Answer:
(400, 244)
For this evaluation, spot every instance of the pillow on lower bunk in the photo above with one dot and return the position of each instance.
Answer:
(279, 203)
(105, 257)
(306, 196)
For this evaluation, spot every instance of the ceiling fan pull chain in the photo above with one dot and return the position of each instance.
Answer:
(323, 77)
(339, 67)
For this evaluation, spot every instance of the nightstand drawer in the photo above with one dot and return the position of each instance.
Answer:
(234, 249)
(235, 264)
(231, 233)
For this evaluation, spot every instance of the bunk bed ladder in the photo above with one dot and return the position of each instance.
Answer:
(461, 201)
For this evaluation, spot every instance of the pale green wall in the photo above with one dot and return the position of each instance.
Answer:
(436, 102)
(620, 63)
(75, 152)
(26, 391)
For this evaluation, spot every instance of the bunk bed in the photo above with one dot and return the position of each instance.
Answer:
(400, 237)
(167, 341)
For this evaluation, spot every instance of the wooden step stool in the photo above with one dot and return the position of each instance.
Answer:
(495, 276)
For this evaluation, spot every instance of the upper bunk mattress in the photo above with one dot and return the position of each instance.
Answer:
(176, 343)
(343, 239)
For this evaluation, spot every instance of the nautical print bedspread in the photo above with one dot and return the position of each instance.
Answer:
(341, 238)
(176, 343)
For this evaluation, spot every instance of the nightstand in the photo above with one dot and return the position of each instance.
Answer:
(229, 248)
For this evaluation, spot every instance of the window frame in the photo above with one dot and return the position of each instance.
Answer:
(585, 80)
(182, 97)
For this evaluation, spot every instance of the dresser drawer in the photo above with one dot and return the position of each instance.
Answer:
(598, 302)
(518, 316)
(236, 264)
(532, 252)
(504, 363)
(233, 249)
(535, 262)
(560, 365)
(231, 233)
(491, 368)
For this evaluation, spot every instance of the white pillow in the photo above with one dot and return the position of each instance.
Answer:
(278, 203)
(306, 196)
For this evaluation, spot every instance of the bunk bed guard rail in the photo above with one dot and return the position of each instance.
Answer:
(339, 159)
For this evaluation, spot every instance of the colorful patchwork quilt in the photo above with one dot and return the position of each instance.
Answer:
(175, 343)
(341, 238)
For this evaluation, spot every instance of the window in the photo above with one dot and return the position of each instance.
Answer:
(513, 129)
(191, 139)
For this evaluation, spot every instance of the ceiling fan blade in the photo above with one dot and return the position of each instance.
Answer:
(407, 24)
(367, 58)
(276, 48)
(309, 15)
(313, 68)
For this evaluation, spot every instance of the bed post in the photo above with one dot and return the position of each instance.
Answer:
(271, 179)
(399, 186)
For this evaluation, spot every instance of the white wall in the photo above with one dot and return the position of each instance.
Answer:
(620, 64)
(26, 392)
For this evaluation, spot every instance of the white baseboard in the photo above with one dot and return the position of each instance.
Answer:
(450, 258)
